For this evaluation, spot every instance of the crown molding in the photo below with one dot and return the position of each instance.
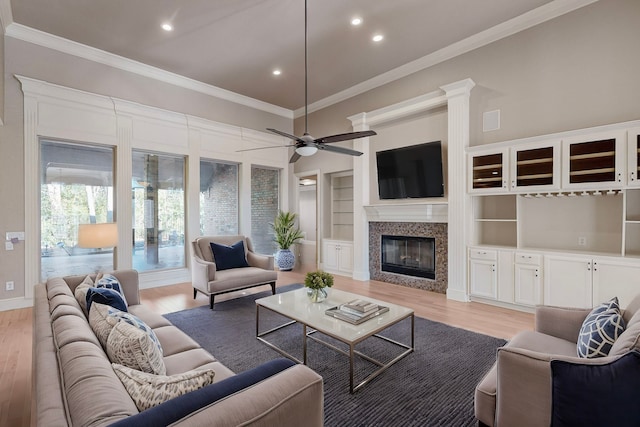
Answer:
(6, 16)
(520, 23)
(70, 47)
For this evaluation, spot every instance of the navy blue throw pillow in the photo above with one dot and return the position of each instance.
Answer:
(227, 257)
(596, 395)
(106, 296)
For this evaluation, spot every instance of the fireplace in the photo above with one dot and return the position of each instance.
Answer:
(408, 255)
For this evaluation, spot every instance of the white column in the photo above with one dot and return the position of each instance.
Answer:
(459, 202)
(361, 177)
(124, 204)
(31, 197)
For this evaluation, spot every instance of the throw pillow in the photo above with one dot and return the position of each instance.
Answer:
(115, 316)
(149, 390)
(110, 281)
(81, 293)
(602, 326)
(105, 296)
(130, 346)
(98, 321)
(596, 395)
(629, 339)
(227, 257)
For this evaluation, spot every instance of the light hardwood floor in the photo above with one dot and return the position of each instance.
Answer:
(16, 327)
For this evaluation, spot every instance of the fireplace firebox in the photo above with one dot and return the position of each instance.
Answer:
(411, 256)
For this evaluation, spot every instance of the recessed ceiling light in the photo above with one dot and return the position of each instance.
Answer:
(167, 27)
(377, 38)
(277, 72)
(356, 21)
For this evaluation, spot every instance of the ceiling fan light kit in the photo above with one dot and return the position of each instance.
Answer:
(306, 145)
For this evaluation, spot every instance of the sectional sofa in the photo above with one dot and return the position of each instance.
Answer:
(75, 383)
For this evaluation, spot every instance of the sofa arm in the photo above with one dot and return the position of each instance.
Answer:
(560, 322)
(261, 261)
(278, 392)
(130, 285)
(202, 272)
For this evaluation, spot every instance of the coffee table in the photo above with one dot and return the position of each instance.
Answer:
(296, 306)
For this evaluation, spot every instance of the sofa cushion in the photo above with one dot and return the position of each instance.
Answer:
(133, 347)
(228, 257)
(542, 343)
(629, 339)
(81, 293)
(148, 390)
(596, 395)
(110, 281)
(600, 330)
(105, 296)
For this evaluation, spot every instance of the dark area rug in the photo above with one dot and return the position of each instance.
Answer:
(433, 386)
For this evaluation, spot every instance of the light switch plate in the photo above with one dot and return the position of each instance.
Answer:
(8, 246)
(15, 235)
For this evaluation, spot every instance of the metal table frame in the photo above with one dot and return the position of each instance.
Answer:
(307, 332)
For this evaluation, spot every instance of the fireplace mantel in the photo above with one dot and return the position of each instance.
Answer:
(408, 212)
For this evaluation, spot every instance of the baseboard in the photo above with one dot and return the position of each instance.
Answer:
(457, 295)
(15, 303)
(361, 276)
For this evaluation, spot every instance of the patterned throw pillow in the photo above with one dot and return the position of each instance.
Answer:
(98, 321)
(149, 390)
(130, 346)
(110, 281)
(115, 316)
(105, 296)
(600, 329)
(81, 293)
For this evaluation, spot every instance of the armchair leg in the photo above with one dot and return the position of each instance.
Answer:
(211, 302)
(195, 292)
(273, 288)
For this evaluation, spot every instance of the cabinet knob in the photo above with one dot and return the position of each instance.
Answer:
(619, 177)
(595, 266)
(536, 272)
(632, 176)
(493, 267)
(588, 266)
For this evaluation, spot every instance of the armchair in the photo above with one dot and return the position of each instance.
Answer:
(210, 280)
(517, 391)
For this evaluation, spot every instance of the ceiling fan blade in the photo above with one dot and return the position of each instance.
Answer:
(286, 135)
(262, 148)
(344, 136)
(336, 149)
(294, 158)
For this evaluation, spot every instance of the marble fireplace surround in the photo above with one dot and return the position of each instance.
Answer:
(414, 220)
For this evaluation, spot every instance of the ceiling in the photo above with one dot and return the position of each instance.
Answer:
(236, 44)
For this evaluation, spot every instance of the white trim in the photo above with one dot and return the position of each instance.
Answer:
(408, 212)
(520, 23)
(15, 303)
(6, 16)
(457, 295)
(70, 47)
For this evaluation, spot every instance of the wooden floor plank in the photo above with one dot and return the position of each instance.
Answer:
(16, 327)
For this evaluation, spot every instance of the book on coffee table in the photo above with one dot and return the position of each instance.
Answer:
(355, 318)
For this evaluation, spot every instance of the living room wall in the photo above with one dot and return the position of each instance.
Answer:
(45, 64)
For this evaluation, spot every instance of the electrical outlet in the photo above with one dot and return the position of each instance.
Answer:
(582, 241)
(9, 286)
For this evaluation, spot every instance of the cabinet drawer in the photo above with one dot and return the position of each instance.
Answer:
(483, 254)
(525, 258)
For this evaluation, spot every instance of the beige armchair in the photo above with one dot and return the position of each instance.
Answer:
(211, 281)
(517, 391)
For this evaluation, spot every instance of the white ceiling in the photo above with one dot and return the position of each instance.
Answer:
(235, 44)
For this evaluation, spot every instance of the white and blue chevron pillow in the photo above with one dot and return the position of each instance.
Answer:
(600, 329)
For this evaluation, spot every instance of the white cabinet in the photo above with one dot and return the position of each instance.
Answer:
(488, 171)
(338, 256)
(612, 278)
(483, 276)
(567, 281)
(528, 279)
(633, 154)
(596, 160)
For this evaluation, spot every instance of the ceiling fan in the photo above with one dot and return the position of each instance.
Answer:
(306, 145)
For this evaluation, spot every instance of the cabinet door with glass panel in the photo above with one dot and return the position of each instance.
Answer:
(633, 157)
(535, 166)
(488, 171)
(594, 161)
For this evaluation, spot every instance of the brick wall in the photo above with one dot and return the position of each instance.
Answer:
(264, 208)
(219, 201)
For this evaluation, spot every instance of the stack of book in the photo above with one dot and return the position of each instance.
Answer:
(357, 311)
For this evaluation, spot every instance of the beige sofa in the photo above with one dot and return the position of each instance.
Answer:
(517, 391)
(209, 280)
(75, 384)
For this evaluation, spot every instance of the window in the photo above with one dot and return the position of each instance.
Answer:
(265, 202)
(76, 187)
(158, 211)
(218, 198)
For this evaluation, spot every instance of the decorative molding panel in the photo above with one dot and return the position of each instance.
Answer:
(422, 212)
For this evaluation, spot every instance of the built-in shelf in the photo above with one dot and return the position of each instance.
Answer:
(342, 206)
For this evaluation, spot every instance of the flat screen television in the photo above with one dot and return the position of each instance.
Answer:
(411, 172)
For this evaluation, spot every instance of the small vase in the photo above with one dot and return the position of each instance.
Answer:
(285, 259)
(317, 295)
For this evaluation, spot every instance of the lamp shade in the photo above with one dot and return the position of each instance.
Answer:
(307, 150)
(95, 236)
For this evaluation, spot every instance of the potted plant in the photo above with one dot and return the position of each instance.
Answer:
(317, 283)
(286, 233)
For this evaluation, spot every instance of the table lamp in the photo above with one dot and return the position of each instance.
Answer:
(95, 236)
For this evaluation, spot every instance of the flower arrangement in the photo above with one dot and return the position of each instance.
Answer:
(318, 280)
